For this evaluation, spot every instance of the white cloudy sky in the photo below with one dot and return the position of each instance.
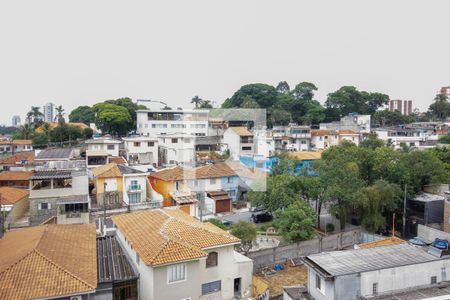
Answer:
(81, 52)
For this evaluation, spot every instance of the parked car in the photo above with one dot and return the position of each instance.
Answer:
(262, 216)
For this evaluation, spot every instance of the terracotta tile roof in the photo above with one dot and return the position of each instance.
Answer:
(185, 198)
(164, 236)
(242, 131)
(16, 142)
(173, 174)
(15, 175)
(320, 132)
(11, 195)
(384, 242)
(117, 160)
(107, 171)
(306, 155)
(48, 261)
(18, 158)
(346, 131)
(220, 169)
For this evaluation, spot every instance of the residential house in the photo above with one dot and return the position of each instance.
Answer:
(239, 141)
(304, 159)
(179, 257)
(142, 150)
(14, 203)
(292, 137)
(348, 136)
(322, 138)
(399, 136)
(119, 185)
(21, 161)
(264, 143)
(49, 262)
(179, 181)
(355, 122)
(153, 122)
(59, 192)
(100, 151)
(15, 146)
(374, 273)
(17, 179)
(176, 148)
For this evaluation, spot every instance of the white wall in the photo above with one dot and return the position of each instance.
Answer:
(394, 279)
(104, 147)
(232, 139)
(327, 287)
(142, 181)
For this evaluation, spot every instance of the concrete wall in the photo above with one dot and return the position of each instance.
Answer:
(142, 181)
(80, 186)
(327, 287)
(347, 287)
(281, 254)
(406, 277)
(431, 234)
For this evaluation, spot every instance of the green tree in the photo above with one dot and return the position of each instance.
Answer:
(283, 87)
(196, 100)
(440, 108)
(60, 114)
(246, 232)
(40, 141)
(372, 142)
(281, 191)
(265, 95)
(391, 118)
(217, 223)
(205, 104)
(35, 116)
(64, 133)
(249, 102)
(24, 132)
(315, 113)
(113, 119)
(296, 222)
(444, 139)
(87, 133)
(376, 203)
(349, 100)
(82, 114)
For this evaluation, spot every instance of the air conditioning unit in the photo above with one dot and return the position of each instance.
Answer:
(76, 298)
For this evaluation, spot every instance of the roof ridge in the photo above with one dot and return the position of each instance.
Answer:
(63, 269)
(18, 261)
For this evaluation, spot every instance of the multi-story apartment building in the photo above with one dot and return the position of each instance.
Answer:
(402, 106)
(16, 121)
(160, 122)
(48, 111)
(292, 137)
(179, 257)
(240, 141)
(398, 136)
(355, 122)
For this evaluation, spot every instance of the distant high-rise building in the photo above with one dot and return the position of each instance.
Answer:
(402, 106)
(16, 121)
(445, 90)
(48, 112)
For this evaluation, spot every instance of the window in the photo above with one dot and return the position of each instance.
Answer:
(177, 185)
(44, 205)
(318, 282)
(303, 142)
(211, 287)
(134, 198)
(136, 144)
(174, 141)
(375, 288)
(176, 273)
(212, 181)
(229, 179)
(151, 144)
(246, 148)
(137, 259)
(433, 279)
(110, 147)
(211, 260)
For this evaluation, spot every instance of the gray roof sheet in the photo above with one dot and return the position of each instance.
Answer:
(363, 260)
(61, 153)
(52, 174)
(73, 199)
(128, 170)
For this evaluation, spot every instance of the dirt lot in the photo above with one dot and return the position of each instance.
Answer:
(287, 277)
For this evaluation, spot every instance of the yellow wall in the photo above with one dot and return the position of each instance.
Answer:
(99, 183)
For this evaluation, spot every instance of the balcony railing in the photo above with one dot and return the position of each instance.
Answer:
(134, 187)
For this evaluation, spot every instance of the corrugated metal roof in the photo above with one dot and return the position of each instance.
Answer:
(52, 174)
(345, 262)
(112, 264)
(62, 153)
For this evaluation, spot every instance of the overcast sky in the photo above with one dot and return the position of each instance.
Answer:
(82, 52)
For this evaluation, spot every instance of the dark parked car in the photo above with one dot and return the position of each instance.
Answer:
(261, 217)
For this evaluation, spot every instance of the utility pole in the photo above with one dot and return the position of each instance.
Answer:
(404, 214)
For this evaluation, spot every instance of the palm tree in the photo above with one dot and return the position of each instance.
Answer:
(36, 115)
(46, 129)
(25, 132)
(60, 114)
(196, 100)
